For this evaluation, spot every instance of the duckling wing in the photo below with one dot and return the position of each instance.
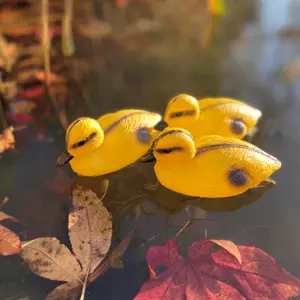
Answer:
(227, 117)
(227, 167)
(129, 119)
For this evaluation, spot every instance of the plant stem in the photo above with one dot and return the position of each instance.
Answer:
(68, 47)
(46, 43)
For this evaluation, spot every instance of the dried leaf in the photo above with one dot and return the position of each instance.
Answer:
(7, 140)
(9, 89)
(95, 29)
(31, 62)
(216, 275)
(52, 77)
(9, 241)
(33, 92)
(18, 119)
(230, 247)
(48, 258)
(121, 3)
(26, 75)
(8, 54)
(65, 291)
(72, 290)
(3, 203)
(90, 229)
(22, 106)
(4, 216)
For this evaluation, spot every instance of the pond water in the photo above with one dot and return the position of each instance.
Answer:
(248, 68)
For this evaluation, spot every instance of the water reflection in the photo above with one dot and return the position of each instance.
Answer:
(234, 59)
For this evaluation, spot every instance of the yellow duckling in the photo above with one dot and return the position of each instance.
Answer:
(211, 166)
(220, 116)
(114, 141)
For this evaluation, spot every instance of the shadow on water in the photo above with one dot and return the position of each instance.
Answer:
(240, 57)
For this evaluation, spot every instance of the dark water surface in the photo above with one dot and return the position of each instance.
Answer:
(243, 59)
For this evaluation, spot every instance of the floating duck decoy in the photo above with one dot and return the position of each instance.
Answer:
(114, 141)
(210, 166)
(220, 116)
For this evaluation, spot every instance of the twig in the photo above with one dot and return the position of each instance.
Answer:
(188, 223)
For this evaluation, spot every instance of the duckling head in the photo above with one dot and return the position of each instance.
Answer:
(181, 110)
(174, 145)
(83, 136)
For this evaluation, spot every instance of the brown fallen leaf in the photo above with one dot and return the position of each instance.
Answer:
(52, 77)
(90, 229)
(9, 89)
(50, 259)
(9, 53)
(94, 29)
(71, 291)
(90, 232)
(9, 241)
(7, 140)
(22, 106)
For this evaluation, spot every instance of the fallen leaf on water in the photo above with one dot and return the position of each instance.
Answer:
(48, 258)
(90, 232)
(9, 241)
(217, 274)
(7, 140)
(90, 229)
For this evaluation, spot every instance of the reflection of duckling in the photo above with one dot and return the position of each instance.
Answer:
(211, 166)
(221, 116)
(114, 141)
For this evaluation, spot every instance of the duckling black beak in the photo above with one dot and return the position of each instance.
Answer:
(148, 157)
(161, 125)
(64, 159)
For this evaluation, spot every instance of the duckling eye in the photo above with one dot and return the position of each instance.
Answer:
(81, 143)
(238, 126)
(168, 150)
(183, 113)
(177, 114)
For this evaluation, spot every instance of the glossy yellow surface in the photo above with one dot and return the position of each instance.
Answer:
(211, 116)
(202, 167)
(121, 138)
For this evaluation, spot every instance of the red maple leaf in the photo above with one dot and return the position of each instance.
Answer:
(9, 241)
(209, 274)
(33, 92)
(19, 119)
